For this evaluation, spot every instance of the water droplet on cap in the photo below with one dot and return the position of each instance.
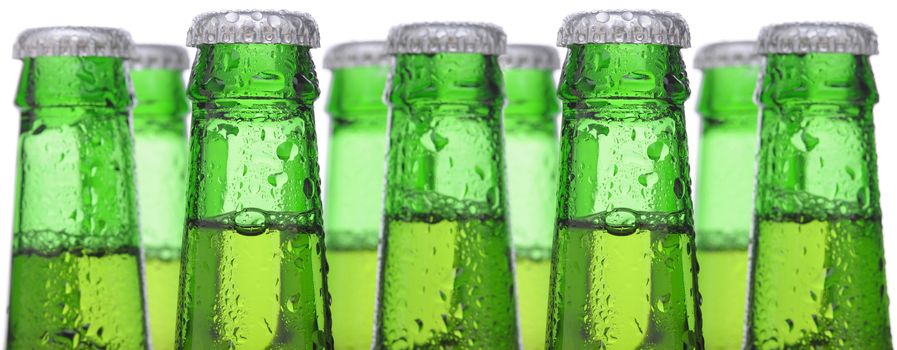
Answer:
(232, 17)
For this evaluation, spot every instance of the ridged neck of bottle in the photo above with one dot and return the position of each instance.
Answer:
(159, 95)
(817, 78)
(446, 79)
(594, 73)
(72, 81)
(531, 95)
(356, 94)
(254, 74)
(727, 94)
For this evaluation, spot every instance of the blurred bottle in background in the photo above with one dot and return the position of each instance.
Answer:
(354, 203)
(160, 157)
(624, 274)
(531, 148)
(817, 270)
(254, 273)
(725, 186)
(76, 271)
(446, 274)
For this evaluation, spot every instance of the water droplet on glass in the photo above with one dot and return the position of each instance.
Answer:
(250, 222)
(620, 222)
(277, 180)
(658, 150)
(648, 179)
(439, 141)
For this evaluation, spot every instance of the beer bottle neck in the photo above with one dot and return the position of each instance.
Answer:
(253, 75)
(531, 97)
(356, 95)
(727, 96)
(457, 79)
(817, 142)
(625, 158)
(818, 78)
(75, 160)
(594, 74)
(253, 143)
(728, 146)
(71, 81)
(159, 95)
(445, 143)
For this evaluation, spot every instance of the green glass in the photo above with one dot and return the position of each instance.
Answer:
(76, 269)
(354, 204)
(623, 267)
(254, 271)
(817, 274)
(725, 193)
(531, 148)
(160, 156)
(446, 275)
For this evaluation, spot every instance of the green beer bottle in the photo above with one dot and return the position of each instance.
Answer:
(76, 271)
(531, 147)
(623, 267)
(354, 204)
(725, 186)
(254, 271)
(817, 269)
(446, 274)
(160, 156)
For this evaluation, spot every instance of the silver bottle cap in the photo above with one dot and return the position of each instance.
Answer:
(254, 27)
(357, 54)
(728, 54)
(530, 56)
(438, 37)
(624, 26)
(153, 56)
(73, 41)
(806, 37)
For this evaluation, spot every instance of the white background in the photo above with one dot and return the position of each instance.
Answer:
(530, 21)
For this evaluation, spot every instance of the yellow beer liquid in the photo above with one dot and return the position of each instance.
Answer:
(162, 278)
(353, 284)
(532, 300)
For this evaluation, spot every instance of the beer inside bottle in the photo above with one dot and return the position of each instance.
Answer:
(817, 277)
(76, 272)
(446, 276)
(160, 155)
(531, 148)
(254, 271)
(623, 268)
(725, 186)
(354, 205)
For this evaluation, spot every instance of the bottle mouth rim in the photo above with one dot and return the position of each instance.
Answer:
(357, 54)
(624, 26)
(73, 41)
(446, 37)
(818, 37)
(254, 27)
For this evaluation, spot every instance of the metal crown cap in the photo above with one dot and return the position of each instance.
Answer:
(438, 37)
(73, 41)
(624, 26)
(154, 56)
(806, 37)
(530, 56)
(357, 54)
(254, 27)
(728, 54)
